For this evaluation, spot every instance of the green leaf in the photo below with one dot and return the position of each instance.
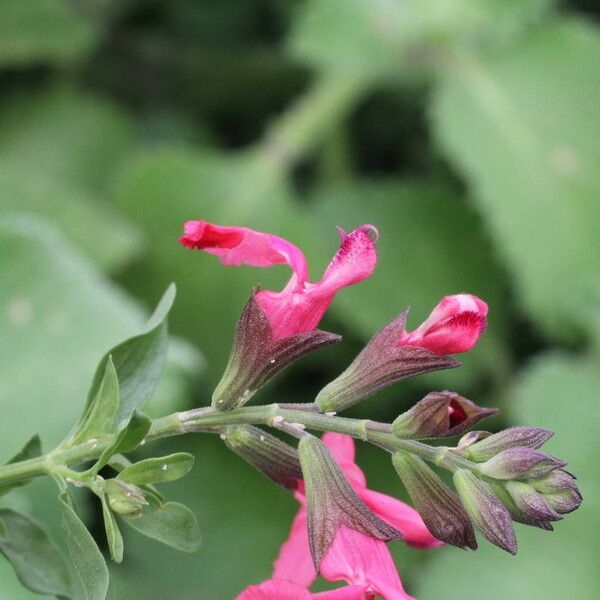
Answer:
(158, 470)
(75, 211)
(70, 136)
(558, 392)
(533, 172)
(386, 35)
(138, 361)
(98, 419)
(88, 560)
(43, 31)
(430, 245)
(127, 440)
(113, 533)
(32, 449)
(38, 563)
(170, 523)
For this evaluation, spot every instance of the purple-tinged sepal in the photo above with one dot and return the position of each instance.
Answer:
(272, 457)
(331, 501)
(257, 356)
(439, 415)
(520, 463)
(381, 363)
(513, 437)
(559, 490)
(439, 507)
(485, 510)
(531, 502)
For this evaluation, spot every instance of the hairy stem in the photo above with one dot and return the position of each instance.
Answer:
(211, 420)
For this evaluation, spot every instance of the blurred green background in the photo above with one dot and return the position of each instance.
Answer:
(468, 132)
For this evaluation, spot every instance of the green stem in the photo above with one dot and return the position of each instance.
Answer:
(209, 419)
(314, 116)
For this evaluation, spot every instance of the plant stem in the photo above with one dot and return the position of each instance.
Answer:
(210, 419)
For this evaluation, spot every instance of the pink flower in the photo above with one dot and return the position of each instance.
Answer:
(301, 304)
(453, 326)
(279, 589)
(353, 557)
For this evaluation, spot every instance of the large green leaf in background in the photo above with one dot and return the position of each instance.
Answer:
(430, 245)
(560, 393)
(42, 31)
(524, 128)
(387, 35)
(93, 226)
(57, 316)
(60, 151)
(71, 135)
(170, 186)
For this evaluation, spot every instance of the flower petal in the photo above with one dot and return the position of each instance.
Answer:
(275, 589)
(354, 261)
(403, 517)
(294, 562)
(348, 592)
(359, 559)
(453, 326)
(242, 246)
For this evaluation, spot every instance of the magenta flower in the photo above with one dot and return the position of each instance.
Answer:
(301, 304)
(453, 326)
(353, 556)
(279, 589)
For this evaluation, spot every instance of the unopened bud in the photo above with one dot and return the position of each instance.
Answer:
(531, 503)
(500, 491)
(256, 357)
(520, 463)
(331, 501)
(271, 456)
(439, 414)
(124, 498)
(559, 490)
(485, 510)
(439, 507)
(382, 362)
(513, 437)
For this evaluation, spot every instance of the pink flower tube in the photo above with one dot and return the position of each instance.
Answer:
(453, 326)
(300, 306)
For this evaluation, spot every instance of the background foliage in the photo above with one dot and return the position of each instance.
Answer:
(468, 132)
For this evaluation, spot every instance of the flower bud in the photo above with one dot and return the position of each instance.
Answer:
(271, 456)
(331, 501)
(257, 356)
(439, 414)
(530, 502)
(500, 491)
(485, 510)
(513, 437)
(559, 490)
(381, 363)
(469, 439)
(124, 498)
(520, 463)
(439, 507)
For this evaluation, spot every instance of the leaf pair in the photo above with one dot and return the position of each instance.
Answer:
(125, 377)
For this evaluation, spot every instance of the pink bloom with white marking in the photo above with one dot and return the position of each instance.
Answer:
(453, 326)
(301, 304)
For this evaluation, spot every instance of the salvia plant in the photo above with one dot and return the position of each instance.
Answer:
(342, 527)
